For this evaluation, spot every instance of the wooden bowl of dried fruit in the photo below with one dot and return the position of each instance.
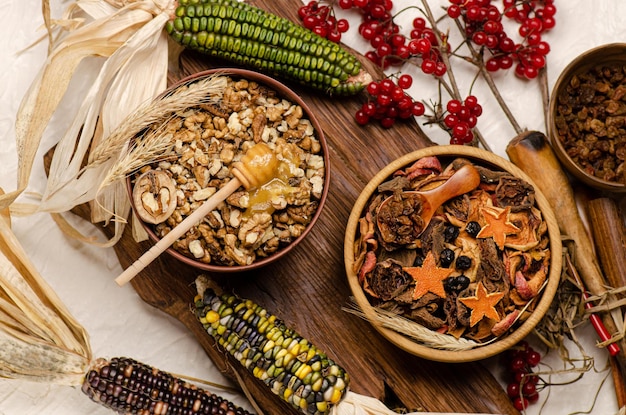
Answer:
(470, 282)
(587, 123)
(250, 228)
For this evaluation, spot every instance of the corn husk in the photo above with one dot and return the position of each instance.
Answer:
(39, 339)
(130, 40)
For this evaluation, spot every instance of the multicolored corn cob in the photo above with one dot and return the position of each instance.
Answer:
(256, 39)
(130, 387)
(293, 368)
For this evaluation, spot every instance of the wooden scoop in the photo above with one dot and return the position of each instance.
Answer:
(257, 167)
(462, 181)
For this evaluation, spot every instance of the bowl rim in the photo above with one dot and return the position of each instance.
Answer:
(285, 92)
(478, 353)
(582, 63)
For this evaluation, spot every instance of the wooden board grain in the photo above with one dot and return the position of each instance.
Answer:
(308, 288)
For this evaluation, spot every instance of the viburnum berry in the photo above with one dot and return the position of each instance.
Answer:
(320, 19)
(533, 397)
(520, 403)
(454, 106)
(389, 102)
(362, 117)
(522, 384)
(483, 27)
(533, 358)
(345, 4)
(461, 118)
(454, 11)
(512, 389)
(405, 81)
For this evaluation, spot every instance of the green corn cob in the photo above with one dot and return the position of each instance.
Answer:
(130, 387)
(293, 368)
(256, 39)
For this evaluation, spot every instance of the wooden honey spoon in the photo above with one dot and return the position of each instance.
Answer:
(257, 167)
(418, 207)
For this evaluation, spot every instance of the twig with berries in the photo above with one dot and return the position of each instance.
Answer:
(481, 24)
(523, 384)
(427, 47)
(462, 116)
(320, 18)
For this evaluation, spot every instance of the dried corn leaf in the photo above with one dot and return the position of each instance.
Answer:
(134, 46)
(36, 360)
(39, 339)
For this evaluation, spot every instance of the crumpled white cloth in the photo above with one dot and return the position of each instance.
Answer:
(355, 404)
(119, 323)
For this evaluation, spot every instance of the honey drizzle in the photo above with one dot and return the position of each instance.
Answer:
(261, 198)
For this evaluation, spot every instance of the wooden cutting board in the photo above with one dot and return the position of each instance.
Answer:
(308, 288)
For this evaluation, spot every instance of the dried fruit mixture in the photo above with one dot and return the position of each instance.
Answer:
(474, 271)
(591, 121)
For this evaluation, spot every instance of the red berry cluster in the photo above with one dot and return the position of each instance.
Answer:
(390, 47)
(424, 44)
(522, 385)
(522, 11)
(482, 22)
(483, 26)
(320, 19)
(461, 118)
(379, 29)
(389, 102)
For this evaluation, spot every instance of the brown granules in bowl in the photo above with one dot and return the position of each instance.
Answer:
(590, 121)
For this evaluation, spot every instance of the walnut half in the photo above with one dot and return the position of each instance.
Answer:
(154, 196)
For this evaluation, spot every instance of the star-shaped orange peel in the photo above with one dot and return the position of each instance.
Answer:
(429, 277)
(498, 225)
(482, 304)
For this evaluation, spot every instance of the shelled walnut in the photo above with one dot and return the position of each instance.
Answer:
(208, 139)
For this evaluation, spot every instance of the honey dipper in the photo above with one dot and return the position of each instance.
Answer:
(257, 167)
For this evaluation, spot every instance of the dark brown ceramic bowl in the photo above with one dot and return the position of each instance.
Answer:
(285, 93)
(565, 128)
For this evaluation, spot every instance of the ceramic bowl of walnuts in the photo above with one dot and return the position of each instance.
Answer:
(587, 123)
(471, 281)
(251, 227)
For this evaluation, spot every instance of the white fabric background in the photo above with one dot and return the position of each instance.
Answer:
(119, 323)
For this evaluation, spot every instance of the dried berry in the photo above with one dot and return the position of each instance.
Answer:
(446, 257)
(419, 260)
(456, 284)
(450, 233)
(472, 228)
(463, 262)
(462, 282)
